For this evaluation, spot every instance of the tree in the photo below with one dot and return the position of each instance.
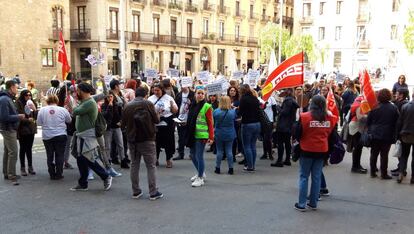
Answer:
(409, 34)
(291, 44)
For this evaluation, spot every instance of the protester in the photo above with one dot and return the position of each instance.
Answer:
(270, 109)
(200, 131)
(401, 83)
(166, 108)
(26, 130)
(224, 132)
(314, 128)
(54, 89)
(53, 120)
(139, 120)
(9, 120)
(250, 125)
(382, 130)
(35, 93)
(86, 145)
(348, 97)
(183, 99)
(129, 91)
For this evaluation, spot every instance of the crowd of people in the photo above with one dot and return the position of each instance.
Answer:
(128, 121)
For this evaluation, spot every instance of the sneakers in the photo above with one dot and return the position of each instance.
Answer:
(311, 207)
(169, 164)
(297, 207)
(217, 170)
(359, 170)
(230, 172)
(137, 195)
(264, 157)
(324, 192)
(124, 164)
(79, 188)
(90, 175)
(287, 163)
(248, 169)
(156, 196)
(198, 182)
(68, 166)
(277, 164)
(23, 172)
(386, 177)
(111, 171)
(108, 183)
(196, 176)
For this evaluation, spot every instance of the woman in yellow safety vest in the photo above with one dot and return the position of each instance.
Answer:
(200, 131)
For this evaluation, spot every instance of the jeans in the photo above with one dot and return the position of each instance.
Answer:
(406, 147)
(197, 156)
(116, 134)
(323, 181)
(283, 143)
(313, 167)
(250, 133)
(67, 148)
(55, 151)
(224, 146)
(26, 144)
(356, 151)
(379, 148)
(146, 150)
(10, 152)
(84, 164)
(267, 141)
(182, 131)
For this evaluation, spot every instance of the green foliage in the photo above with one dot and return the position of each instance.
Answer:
(409, 34)
(291, 45)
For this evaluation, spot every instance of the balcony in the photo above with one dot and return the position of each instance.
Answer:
(253, 17)
(223, 10)
(163, 39)
(191, 7)
(139, 2)
(239, 39)
(264, 19)
(276, 19)
(252, 41)
(225, 38)
(80, 34)
(306, 20)
(54, 34)
(365, 44)
(209, 37)
(265, 1)
(239, 14)
(362, 18)
(112, 34)
(175, 5)
(158, 3)
(208, 7)
(287, 20)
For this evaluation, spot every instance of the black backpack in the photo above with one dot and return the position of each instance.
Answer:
(100, 125)
(142, 117)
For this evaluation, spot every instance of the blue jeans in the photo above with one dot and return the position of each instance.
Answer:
(310, 166)
(197, 156)
(226, 146)
(250, 133)
(323, 181)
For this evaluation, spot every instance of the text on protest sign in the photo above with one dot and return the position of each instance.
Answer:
(203, 76)
(214, 88)
(252, 77)
(186, 81)
(238, 75)
(151, 73)
(173, 72)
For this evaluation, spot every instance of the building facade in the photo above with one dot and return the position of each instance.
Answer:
(29, 38)
(355, 34)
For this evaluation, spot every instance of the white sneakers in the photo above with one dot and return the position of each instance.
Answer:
(196, 176)
(198, 182)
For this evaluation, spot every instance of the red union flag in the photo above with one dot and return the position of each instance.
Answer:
(330, 99)
(63, 57)
(367, 90)
(288, 74)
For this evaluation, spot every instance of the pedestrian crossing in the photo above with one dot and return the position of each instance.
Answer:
(38, 148)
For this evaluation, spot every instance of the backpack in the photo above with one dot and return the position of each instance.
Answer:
(100, 125)
(143, 124)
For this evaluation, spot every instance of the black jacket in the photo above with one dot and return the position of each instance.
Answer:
(9, 119)
(249, 109)
(178, 99)
(112, 115)
(287, 115)
(382, 123)
(405, 123)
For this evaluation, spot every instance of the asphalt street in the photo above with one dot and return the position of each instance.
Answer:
(260, 202)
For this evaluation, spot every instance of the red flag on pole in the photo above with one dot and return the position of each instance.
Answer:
(288, 74)
(367, 90)
(330, 100)
(63, 58)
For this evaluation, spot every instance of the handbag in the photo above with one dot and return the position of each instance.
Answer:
(366, 139)
(296, 151)
(337, 152)
(265, 123)
(397, 149)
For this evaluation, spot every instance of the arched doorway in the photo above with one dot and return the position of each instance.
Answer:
(205, 59)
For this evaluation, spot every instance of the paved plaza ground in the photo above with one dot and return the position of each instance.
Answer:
(261, 202)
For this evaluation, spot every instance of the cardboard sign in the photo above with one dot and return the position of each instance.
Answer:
(150, 80)
(173, 72)
(252, 77)
(214, 88)
(186, 81)
(203, 76)
(151, 73)
(92, 60)
(107, 79)
(224, 84)
(237, 75)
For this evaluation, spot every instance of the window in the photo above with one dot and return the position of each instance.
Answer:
(205, 27)
(251, 12)
(321, 6)
(394, 31)
(395, 5)
(221, 29)
(156, 25)
(321, 33)
(363, 8)
(337, 59)
(113, 20)
(338, 7)
(58, 18)
(237, 8)
(305, 30)
(135, 22)
(361, 33)
(237, 32)
(113, 61)
(264, 13)
(392, 59)
(338, 33)
(306, 10)
(81, 18)
(47, 57)
(251, 30)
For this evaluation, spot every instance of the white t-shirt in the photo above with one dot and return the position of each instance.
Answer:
(185, 104)
(163, 106)
(53, 120)
(268, 110)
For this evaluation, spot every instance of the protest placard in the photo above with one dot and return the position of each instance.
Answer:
(186, 81)
(252, 77)
(151, 72)
(173, 72)
(203, 76)
(107, 79)
(237, 75)
(92, 60)
(214, 88)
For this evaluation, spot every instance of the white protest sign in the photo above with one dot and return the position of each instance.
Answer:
(237, 75)
(203, 76)
(252, 77)
(151, 73)
(107, 79)
(186, 81)
(224, 84)
(92, 60)
(150, 80)
(173, 72)
(214, 88)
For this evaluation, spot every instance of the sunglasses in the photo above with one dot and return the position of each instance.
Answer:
(28, 95)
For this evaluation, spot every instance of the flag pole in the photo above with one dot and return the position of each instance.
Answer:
(303, 80)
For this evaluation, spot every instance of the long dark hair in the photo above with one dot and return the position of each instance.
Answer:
(318, 108)
(245, 90)
(236, 97)
(115, 100)
(22, 95)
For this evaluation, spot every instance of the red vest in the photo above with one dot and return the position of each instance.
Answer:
(315, 134)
